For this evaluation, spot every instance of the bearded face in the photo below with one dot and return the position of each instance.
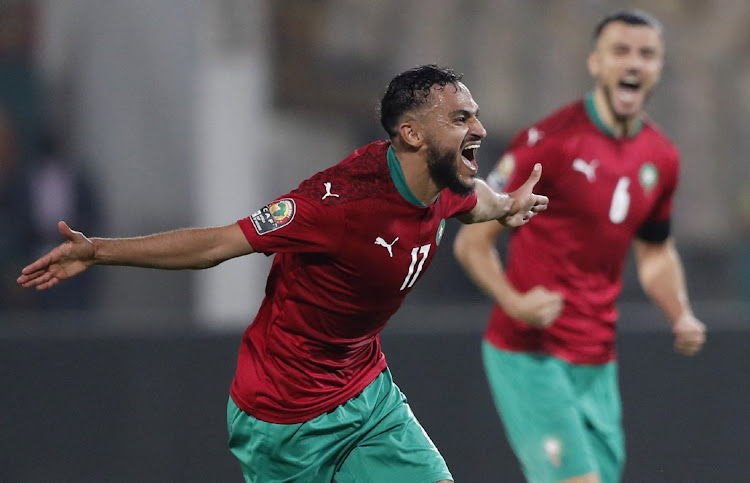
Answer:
(626, 63)
(444, 170)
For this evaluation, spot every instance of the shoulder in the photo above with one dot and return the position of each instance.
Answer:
(658, 141)
(546, 141)
(661, 155)
(557, 125)
(360, 175)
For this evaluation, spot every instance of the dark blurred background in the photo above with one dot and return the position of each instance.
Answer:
(125, 117)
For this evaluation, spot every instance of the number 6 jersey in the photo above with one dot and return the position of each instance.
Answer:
(349, 244)
(603, 192)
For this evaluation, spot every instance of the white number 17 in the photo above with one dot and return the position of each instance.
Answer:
(413, 274)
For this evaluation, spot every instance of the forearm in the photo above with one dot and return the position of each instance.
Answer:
(190, 248)
(662, 277)
(481, 261)
(490, 205)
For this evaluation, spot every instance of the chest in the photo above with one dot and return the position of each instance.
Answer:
(609, 186)
(390, 249)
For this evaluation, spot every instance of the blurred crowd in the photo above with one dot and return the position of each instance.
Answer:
(126, 68)
(522, 59)
(40, 182)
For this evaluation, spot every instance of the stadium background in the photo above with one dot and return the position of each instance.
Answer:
(189, 112)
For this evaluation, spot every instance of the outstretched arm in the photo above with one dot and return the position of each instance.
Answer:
(189, 248)
(512, 209)
(662, 277)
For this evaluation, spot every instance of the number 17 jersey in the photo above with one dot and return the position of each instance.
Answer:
(349, 244)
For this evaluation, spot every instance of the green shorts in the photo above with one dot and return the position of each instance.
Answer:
(373, 437)
(561, 419)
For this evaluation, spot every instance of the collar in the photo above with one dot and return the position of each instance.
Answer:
(397, 175)
(594, 117)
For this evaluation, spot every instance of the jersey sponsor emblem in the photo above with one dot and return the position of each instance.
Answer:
(648, 176)
(440, 231)
(498, 178)
(273, 216)
(328, 191)
(388, 246)
(588, 169)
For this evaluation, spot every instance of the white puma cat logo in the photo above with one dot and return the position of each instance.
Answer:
(588, 169)
(388, 246)
(328, 191)
(533, 136)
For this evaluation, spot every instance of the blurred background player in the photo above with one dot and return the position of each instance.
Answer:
(15, 213)
(549, 348)
(313, 398)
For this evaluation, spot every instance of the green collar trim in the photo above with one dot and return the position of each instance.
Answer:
(594, 116)
(397, 175)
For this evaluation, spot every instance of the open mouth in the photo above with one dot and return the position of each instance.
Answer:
(469, 157)
(630, 85)
(628, 92)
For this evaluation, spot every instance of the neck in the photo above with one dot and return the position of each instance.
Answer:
(416, 174)
(618, 126)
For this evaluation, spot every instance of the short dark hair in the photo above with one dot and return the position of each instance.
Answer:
(630, 17)
(408, 91)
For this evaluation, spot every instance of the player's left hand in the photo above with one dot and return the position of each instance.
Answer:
(526, 204)
(689, 335)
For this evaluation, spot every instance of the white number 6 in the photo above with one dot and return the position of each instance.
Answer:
(620, 201)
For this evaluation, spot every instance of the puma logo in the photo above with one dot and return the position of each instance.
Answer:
(588, 169)
(534, 135)
(388, 246)
(328, 191)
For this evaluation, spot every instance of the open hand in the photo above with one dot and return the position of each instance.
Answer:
(526, 204)
(65, 261)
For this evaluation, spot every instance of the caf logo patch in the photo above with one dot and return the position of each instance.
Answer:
(273, 216)
(500, 176)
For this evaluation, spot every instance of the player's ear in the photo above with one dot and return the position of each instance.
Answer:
(411, 133)
(593, 64)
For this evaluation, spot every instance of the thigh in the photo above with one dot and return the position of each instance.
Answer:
(274, 453)
(599, 395)
(540, 413)
(395, 448)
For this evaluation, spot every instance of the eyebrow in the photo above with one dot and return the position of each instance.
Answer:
(464, 112)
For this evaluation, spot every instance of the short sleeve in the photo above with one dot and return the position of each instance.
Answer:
(455, 204)
(670, 178)
(526, 149)
(294, 224)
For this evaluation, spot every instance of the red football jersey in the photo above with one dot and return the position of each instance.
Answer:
(601, 190)
(349, 245)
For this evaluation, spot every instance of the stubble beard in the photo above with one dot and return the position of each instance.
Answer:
(444, 171)
(619, 118)
(622, 119)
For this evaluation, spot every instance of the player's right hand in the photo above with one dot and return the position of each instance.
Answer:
(538, 307)
(65, 261)
(689, 335)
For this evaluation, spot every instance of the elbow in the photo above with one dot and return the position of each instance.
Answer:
(474, 242)
(208, 260)
(207, 264)
(457, 248)
(461, 247)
